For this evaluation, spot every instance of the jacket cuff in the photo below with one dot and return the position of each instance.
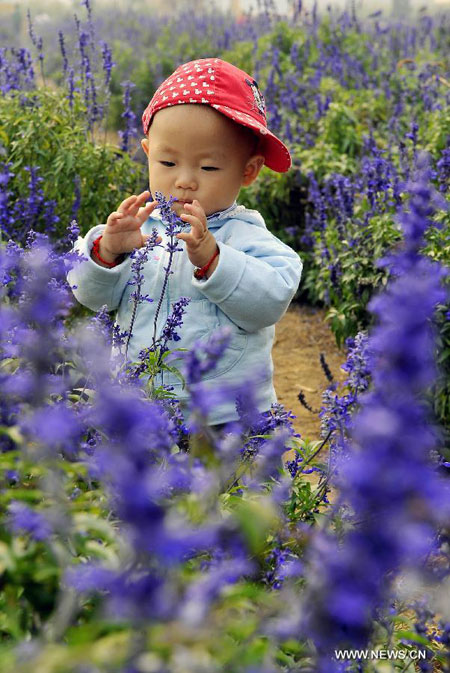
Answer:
(93, 270)
(226, 276)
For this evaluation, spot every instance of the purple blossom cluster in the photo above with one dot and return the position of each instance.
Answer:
(31, 211)
(130, 129)
(396, 499)
(140, 257)
(337, 411)
(23, 518)
(16, 70)
(173, 225)
(282, 563)
(128, 444)
(174, 321)
(86, 66)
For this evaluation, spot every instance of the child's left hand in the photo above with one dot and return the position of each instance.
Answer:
(200, 242)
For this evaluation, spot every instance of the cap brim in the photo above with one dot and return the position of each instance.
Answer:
(276, 154)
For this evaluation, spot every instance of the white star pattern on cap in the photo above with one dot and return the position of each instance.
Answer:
(206, 80)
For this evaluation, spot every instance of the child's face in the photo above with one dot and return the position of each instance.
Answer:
(195, 152)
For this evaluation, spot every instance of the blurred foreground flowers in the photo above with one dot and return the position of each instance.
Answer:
(127, 547)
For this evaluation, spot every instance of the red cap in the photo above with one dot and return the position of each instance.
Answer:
(230, 91)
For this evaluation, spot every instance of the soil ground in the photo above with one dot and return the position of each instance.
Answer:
(300, 337)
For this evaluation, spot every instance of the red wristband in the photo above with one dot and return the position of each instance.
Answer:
(200, 272)
(96, 253)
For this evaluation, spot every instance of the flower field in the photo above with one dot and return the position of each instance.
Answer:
(134, 540)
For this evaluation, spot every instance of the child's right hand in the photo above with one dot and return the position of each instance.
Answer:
(122, 233)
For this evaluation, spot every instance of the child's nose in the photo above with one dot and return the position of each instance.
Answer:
(186, 180)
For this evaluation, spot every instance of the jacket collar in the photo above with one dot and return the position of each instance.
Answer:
(224, 214)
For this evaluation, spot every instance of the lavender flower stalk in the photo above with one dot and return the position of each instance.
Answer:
(174, 321)
(173, 226)
(62, 46)
(151, 358)
(387, 480)
(107, 62)
(129, 117)
(140, 257)
(37, 42)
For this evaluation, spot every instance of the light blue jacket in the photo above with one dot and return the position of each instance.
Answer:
(249, 291)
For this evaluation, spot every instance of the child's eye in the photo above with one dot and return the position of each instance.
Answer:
(167, 163)
(209, 168)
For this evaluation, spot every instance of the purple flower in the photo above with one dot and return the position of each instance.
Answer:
(23, 519)
(443, 167)
(338, 409)
(71, 87)
(55, 427)
(173, 225)
(174, 320)
(386, 478)
(32, 211)
(73, 232)
(140, 257)
(38, 43)
(104, 324)
(62, 46)
(129, 116)
(7, 219)
(282, 563)
(77, 196)
(107, 62)
(267, 460)
(202, 358)
(134, 595)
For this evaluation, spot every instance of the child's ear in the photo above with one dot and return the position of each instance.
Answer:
(252, 168)
(144, 145)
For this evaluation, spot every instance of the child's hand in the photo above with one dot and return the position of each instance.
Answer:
(200, 242)
(123, 227)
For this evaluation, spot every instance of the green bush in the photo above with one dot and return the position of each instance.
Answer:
(40, 129)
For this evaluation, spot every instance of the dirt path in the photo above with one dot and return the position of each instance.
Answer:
(300, 337)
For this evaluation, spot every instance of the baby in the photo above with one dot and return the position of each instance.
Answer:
(206, 137)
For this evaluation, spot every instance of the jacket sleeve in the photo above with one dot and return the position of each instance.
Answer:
(255, 279)
(94, 285)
